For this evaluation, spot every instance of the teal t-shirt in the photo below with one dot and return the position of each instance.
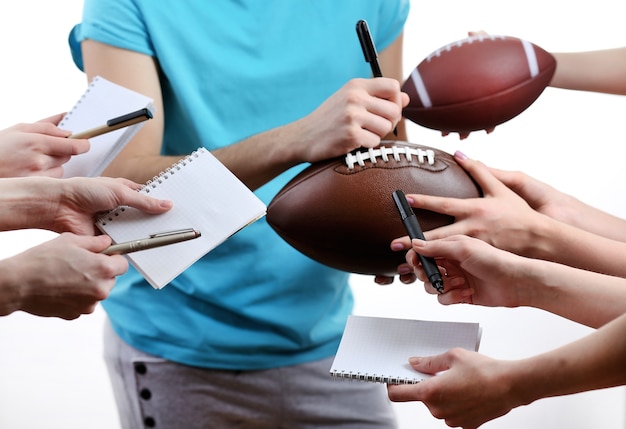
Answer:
(229, 70)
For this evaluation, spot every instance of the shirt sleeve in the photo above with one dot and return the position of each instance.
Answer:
(391, 19)
(117, 23)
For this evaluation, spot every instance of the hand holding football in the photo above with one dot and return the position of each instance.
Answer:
(340, 212)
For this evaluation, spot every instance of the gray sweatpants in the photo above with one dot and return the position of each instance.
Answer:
(152, 392)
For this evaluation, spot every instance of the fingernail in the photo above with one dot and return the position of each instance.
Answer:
(404, 269)
(415, 360)
(460, 155)
(397, 246)
(418, 243)
(467, 292)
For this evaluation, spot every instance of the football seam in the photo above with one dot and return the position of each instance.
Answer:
(372, 155)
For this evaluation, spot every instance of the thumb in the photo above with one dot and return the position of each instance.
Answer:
(430, 364)
(55, 119)
(96, 243)
(405, 99)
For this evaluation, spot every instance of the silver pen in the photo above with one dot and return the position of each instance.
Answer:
(154, 240)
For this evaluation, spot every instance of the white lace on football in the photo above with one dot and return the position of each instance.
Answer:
(458, 43)
(383, 153)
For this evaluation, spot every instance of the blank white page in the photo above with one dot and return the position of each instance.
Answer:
(378, 349)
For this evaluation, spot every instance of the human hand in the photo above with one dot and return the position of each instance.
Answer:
(471, 390)
(64, 277)
(76, 201)
(542, 197)
(502, 217)
(474, 272)
(358, 115)
(37, 149)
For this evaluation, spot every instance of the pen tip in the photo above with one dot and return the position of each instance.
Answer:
(438, 285)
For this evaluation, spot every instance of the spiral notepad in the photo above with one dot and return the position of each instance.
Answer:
(378, 349)
(103, 100)
(206, 197)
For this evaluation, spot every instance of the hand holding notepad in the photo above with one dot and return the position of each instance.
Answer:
(378, 349)
(207, 197)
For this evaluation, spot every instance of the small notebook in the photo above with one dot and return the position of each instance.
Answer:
(103, 100)
(378, 349)
(206, 196)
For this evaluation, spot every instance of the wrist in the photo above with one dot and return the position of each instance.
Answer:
(294, 138)
(297, 145)
(530, 284)
(10, 293)
(544, 236)
(526, 380)
(26, 202)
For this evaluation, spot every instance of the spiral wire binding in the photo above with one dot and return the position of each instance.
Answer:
(358, 376)
(165, 174)
(80, 100)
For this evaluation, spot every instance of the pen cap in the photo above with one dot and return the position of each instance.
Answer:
(365, 38)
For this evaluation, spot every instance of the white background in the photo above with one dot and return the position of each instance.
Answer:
(51, 371)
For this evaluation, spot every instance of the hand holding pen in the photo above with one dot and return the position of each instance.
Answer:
(415, 231)
(369, 51)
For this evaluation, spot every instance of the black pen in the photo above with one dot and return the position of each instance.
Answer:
(154, 240)
(369, 51)
(415, 231)
(115, 124)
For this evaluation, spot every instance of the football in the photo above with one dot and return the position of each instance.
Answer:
(477, 83)
(341, 213)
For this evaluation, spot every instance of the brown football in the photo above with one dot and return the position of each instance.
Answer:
(477, 83)
(340, 212)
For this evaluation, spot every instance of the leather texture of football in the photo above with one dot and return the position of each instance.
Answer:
(341, 213)
(477, 83)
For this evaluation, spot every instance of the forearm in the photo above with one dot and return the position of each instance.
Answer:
(140, 168)
(566, 244)
(258, 159)
(586, 217)
(583, 296)
(254, 161)
(593, 362)
(598, 71)
(601, 223)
